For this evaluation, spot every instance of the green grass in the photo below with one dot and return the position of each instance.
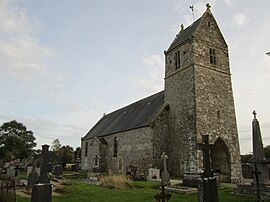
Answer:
(143, 192)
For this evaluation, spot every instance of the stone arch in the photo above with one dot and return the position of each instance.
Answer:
(220, 157)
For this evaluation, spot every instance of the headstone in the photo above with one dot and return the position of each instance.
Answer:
(153, 174)
(43, 177)
(260, 185)
(165, 175)
(32, 177)
(57, 171)
(259, 159)
(42, 190)
(30, 168)
(10, 172)
(207, 185)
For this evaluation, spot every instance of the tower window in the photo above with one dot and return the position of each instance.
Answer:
(212, 56)
(115, 147)
(86, 149)
(177, 59)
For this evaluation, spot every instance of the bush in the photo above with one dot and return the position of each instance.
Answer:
(118, 182)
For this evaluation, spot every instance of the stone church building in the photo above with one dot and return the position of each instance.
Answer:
(197, 99)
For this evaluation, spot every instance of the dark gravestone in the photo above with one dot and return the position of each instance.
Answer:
(57, 171)
(207, 185)
(42, 190)
(43, 177)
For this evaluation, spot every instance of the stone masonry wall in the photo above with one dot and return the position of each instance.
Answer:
(179, 94)
(160, 137)
(215, 112)
(135, 148)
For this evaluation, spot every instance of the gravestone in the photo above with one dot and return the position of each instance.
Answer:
(261, 185)
(57, 171)
(11, 172)
(30, 168)
(32, 177)
(207, 185)
(153, 174)
(165, 181)
(165, 175)
(42, 190)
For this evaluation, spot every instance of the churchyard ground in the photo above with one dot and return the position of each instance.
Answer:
(80, 191)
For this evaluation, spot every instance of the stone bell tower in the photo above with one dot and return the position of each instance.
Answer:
(199, 92)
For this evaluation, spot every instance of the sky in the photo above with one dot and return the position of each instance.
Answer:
(65, 63)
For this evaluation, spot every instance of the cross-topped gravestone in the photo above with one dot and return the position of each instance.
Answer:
(206, 147)
(165, 175)
(43, 177)
(207, 186)
(42, 190)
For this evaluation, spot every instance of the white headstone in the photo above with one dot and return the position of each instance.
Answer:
(153, 173)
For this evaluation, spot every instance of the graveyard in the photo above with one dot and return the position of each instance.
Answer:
(178, 142)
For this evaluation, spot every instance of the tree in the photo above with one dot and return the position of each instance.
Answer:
(66, 155)
(77, 154)
(56, 145)
(15, 141)
(267, 151)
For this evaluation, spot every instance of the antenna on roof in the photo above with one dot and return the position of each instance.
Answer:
(192, 10)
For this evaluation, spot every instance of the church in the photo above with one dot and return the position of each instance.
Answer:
(197, 99)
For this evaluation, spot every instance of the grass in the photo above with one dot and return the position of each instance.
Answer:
(143, 192)
(119, 182)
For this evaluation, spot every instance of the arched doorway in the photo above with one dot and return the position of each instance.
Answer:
(220, 157)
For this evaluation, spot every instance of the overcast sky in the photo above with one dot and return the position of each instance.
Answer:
(64, 63)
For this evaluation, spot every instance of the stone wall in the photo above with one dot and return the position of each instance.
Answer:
(215, 113)
(160, 137)
(179, 94)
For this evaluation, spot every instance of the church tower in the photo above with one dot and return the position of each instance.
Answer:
(199, 93)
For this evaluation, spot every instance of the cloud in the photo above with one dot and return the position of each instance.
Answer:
(154, 73)
(240, 19)
(228, 2)
(22, 57)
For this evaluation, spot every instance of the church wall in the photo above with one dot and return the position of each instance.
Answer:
(160, 137)
(87, 161)
(135, 148)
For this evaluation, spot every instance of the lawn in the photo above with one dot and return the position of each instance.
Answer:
(143, 191)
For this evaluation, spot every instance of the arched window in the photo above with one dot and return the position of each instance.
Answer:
(86, 148)
(115, 147)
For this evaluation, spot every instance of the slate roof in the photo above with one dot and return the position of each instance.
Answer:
(184, 35)
(136, 115)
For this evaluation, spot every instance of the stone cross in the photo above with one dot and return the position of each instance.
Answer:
(206, 147)
(207, 185)
(165, 176)
(42, 190)
(43, 177)
(208, 6)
